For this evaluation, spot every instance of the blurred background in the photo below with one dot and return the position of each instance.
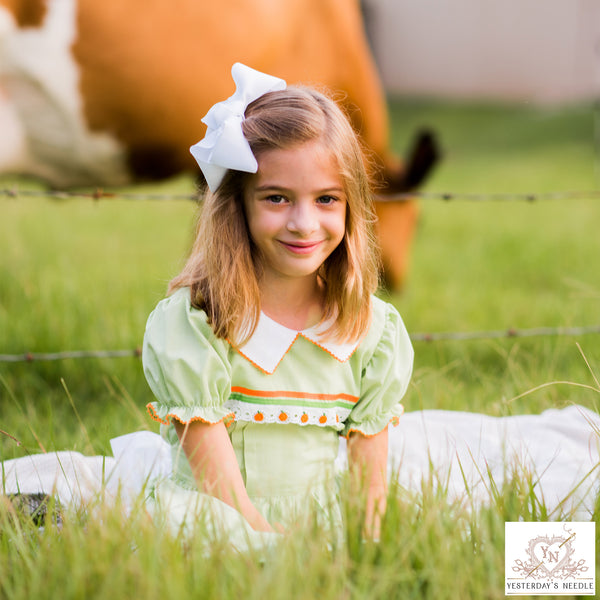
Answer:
(510, 91)
(500, 261)
(539, 51)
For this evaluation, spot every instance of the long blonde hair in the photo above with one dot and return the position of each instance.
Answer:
(223, 270)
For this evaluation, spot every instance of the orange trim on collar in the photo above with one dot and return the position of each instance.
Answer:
(271, 342)
(259, 367)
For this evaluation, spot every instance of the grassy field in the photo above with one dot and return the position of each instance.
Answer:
(78, 274)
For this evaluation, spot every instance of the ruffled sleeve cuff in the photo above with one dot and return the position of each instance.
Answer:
(385, 375)
(186, 366)
(163, 414)
(374, 425)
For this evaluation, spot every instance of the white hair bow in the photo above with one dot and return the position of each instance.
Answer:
(224, 145)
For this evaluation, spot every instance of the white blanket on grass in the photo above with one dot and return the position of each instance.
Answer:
(466, 453)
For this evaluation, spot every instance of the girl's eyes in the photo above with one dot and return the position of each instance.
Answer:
(279, 199)
(275, 199)
(326, 200)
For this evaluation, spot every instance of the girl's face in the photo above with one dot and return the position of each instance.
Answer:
(296, 209)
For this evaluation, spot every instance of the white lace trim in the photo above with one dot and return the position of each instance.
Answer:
(278, 413)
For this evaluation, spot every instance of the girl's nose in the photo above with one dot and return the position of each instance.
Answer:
(303, 218)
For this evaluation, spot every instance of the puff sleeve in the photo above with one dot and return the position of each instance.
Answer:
(185, 364)
(385, 376)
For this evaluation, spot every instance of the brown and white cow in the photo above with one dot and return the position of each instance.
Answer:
(107, 93)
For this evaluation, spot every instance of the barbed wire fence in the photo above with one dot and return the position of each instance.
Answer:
(415, 337)
(99, 194)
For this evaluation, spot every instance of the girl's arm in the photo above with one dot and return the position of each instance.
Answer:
(214, 465)
(368, 467)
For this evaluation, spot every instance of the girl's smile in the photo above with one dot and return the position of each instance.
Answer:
(301, 248)
(296, 210)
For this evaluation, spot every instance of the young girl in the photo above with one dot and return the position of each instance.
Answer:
(271, 343)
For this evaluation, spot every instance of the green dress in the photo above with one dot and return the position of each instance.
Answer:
(286, 397)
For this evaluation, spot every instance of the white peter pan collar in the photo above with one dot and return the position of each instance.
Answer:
(271, 341)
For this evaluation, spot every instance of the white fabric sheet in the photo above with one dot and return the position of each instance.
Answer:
(559, 449)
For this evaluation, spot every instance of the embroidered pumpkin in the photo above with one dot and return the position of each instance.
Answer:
(283, 416)
(259, 416)
(304, 418)
(323, 419)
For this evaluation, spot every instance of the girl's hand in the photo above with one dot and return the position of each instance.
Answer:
(368, 469)
(212, 459)
(259, 523)
(279, 528)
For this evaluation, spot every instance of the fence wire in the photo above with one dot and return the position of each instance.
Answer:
(415, 337)
(100, 194)
(73, 354)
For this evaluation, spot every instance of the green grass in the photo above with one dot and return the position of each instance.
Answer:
(431, 547)
(500, 265)
(497, 148)
(79, 274)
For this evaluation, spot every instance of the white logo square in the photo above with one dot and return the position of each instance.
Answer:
(550, 558)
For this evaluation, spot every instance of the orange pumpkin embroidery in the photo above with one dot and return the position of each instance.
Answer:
(283, 416)
(323, 419)
(304, 418)
(258, 416)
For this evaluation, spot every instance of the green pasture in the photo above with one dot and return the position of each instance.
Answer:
(83, 275)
